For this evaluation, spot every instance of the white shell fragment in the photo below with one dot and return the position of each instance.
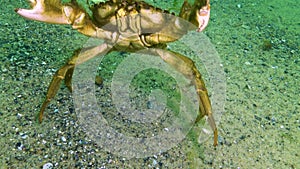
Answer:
(48, 166)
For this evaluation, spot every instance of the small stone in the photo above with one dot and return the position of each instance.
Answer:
(23, 136)
(19, 115)
(154, 162)
(247, 63)
(4, 70)
(63, 139)
(19, 146)
(48, 166)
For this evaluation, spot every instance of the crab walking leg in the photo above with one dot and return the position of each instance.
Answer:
(54, 86)
(66, 72)
(84, 56)
(68, 78)
(187, 67)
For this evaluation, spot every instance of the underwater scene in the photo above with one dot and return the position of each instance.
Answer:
(217, 87)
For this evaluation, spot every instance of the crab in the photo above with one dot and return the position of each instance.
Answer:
(141, 17)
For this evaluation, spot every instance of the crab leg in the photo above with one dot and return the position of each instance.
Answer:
(66, 72)
(187, 67)
(55, 84)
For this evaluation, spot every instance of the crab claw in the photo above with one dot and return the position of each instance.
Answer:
(198, 13)
(203, 16)
(49, 11)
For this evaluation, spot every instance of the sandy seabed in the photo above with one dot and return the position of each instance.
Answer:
(258, 44)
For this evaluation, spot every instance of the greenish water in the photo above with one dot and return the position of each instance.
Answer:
(258, 44)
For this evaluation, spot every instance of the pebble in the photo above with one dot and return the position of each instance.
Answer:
(19, 146)
(4, 70)
(19, 115)
(247, 63)
(48, 166)
(23, 135)
(154, 162)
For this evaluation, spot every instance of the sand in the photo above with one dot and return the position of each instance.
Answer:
(258, 46)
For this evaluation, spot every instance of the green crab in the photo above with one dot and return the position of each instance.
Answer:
(129, 35)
